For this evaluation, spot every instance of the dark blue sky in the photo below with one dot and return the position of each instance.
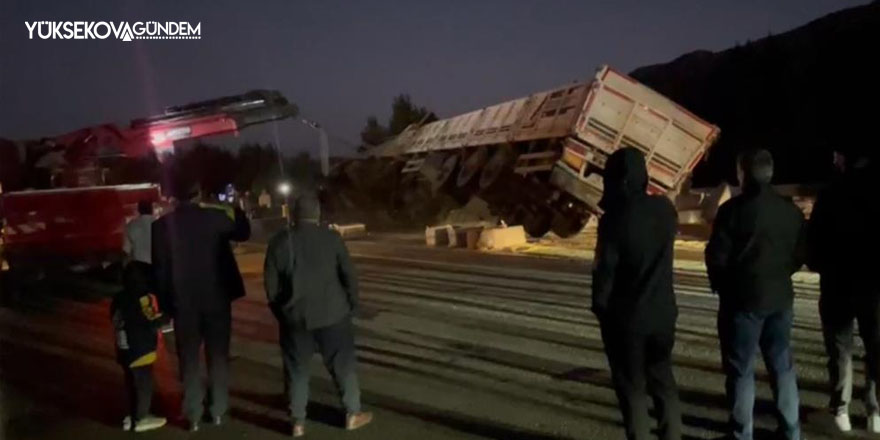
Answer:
(343, 60)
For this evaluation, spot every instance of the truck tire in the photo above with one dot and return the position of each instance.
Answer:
(569, 225)
(537, 223)
(471, 167)
(447, 171)
(496, 167)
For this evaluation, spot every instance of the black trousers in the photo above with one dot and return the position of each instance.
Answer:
(336, 345)
(840, 310)
(641, 365)
(139, 386)
(213, 329)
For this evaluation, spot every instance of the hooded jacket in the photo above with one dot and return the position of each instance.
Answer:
(843, 236)
(757, 243)
(309, 278)
(135, 318)
(632, 274)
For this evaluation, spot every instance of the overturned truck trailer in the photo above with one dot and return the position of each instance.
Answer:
(537, 160)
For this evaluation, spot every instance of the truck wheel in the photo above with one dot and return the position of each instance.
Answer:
(495, 168)
(566, 226)
(447, 170)
(537, 224)
(472, 166)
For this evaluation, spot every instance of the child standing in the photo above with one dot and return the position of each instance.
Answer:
(136, 322)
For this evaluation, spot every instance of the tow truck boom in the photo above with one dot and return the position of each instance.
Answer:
(227, 115)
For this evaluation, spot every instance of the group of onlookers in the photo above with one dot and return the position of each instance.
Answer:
(183, 272)
(759, 240)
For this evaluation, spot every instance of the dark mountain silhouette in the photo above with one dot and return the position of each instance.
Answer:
(800, 94)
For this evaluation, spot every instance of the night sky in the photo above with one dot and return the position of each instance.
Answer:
(341, 61)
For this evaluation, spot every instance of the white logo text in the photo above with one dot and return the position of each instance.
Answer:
(102, 30)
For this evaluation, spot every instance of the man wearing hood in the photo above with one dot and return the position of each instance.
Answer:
(843, 239)
(756, 246)
(312, 290)
(633, 296)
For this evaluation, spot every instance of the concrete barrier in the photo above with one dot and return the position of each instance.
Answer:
(442, 235)
(353, 230)
(500, 238)
(466, 236)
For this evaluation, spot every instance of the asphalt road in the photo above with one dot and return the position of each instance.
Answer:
(453, 344)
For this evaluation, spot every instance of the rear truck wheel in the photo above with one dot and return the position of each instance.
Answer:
(446, 181)
(471, 167)
(537, 223)
(567, 225)
(444, 177)
(496, 167)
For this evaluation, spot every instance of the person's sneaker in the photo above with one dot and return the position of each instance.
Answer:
(193, 426)
(874, 423)
(299, 429)
(358, 420)
(843, 424)
(126, 423)
(149, 423)
(217, 420)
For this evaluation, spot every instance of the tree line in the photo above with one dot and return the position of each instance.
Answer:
(253, 167)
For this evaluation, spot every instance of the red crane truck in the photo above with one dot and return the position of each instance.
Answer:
(79, 221)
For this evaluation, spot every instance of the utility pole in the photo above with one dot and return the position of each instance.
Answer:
(325, 145)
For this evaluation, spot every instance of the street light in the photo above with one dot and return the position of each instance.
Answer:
(284, 188)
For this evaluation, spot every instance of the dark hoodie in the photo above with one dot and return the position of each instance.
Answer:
(135, 318)
(309, 278)
(632, 274)
(757, 243)
(843, 236)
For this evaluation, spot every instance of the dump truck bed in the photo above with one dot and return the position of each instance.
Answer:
(621, 112)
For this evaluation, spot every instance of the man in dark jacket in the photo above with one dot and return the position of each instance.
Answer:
(633, 296)
(756, 246)
(312, 290)
(843, 239)
(198, 279)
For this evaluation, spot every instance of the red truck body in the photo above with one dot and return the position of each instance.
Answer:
(74, 224)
